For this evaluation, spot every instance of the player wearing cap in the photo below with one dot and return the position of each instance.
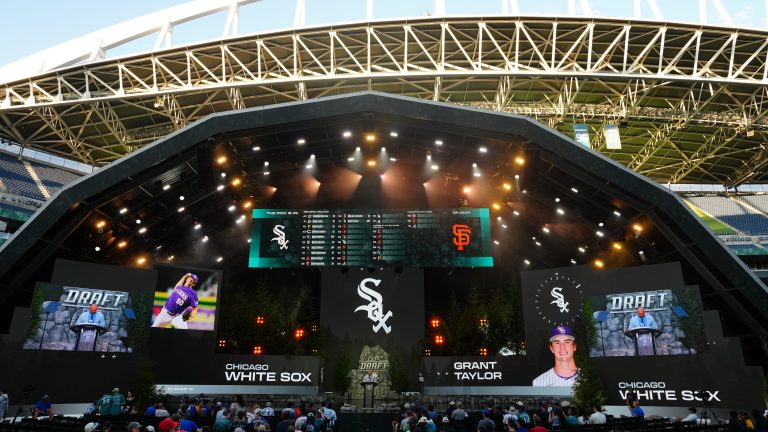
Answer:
(562, 344)
(181, 305)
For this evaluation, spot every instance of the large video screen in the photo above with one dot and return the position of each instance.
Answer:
(654, 322)
(371, 238)
(185, 298)
(67, 318)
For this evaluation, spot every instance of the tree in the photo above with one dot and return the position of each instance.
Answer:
(341, 378)
(588, 389)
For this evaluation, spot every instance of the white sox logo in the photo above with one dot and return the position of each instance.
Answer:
(280, 239)
(559, 300)
(375, 307)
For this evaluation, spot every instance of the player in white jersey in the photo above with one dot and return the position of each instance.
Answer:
(562, 344)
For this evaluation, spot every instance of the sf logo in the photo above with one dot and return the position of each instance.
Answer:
(461, 236)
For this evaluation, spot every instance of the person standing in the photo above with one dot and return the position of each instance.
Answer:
(642, 320)
(3, 403)
(635, 410)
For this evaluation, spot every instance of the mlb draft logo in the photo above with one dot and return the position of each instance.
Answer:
(558, 300)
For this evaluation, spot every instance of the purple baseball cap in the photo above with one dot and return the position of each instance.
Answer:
(561, 330)
(193, 276)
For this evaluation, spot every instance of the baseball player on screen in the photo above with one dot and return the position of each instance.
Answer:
(562, 344)
(181, 305)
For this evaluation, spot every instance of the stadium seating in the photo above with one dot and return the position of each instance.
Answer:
(732, 213)
(16, 178)
(759, 202)
(53, 178)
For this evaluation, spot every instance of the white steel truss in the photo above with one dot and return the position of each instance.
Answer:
(690, 100)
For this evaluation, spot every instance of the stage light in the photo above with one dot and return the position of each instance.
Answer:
(266, 173)
(219, 259)
(496, 242)
(350, 159)
(142, 230)
(526, 262)
(371, 163)
(545, 229)
(266, 163)
(434, 322)
(256, 148)
(383, 149)
(538, 244)
(438, 142)
(519, 160)
(637, 228)
(301, 141)
(598, 263)
(222, 343)
(474, 165)
(517, 176)
(299, 333)
(231, 208)
(220, 188)
(170, 258)
(357, 149)
(506, 186)
(557, 200)
(223, 175)
(236, 181)
(97, 249)
(247, 205)
(616, 213)
(221, 160)
(257, 350)
(574, 190)
(616, 246)
(515, 212)
(393, 134)
(439, 340)
(241, 219)
(467, 189)
(204, 239)
(248, 241)
(122, 244)
(498, 218)
(101, 224)
(123, 210)
(260, 320)
(582, 250)
(600, 224)
(429, 155)
(312, 156)
(181, 197)
(181, 209)
(476, 174)
(138, 221)
(599, 233)
(308, 166)
(166, 187)
(347, 134)
(482, 150)
(393, 159)
(560, 211)
(427, 352)
(504, 226)
(141, 260)
(496, 206)
(435, 167)
(573, 261)
(370, 137)
(641, 253)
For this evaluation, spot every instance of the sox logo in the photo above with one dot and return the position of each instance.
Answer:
(559, 300)
(280, 239)
(375, 306)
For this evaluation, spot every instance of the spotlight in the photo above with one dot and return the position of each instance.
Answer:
(312, 156)
(383, 149)
(371, 163)
(393, 134)
(141, 260)
(219, 259)
(526, 262)
(582, 250)
(142, 230)
(198, 226)
(266, 173)
(266, 163)
(637, 228)
(181, 209)
(573, 261)
(616, 213)
(517, 176)
(221, 160)
(220, 187)
(231, 208)
(560, 211)
(181, 197)
(574, 190)
(350, 159)
(438, 142)
(122, 244)
(496, 206)
(616, 246)
(247, 205)
(347, 134)
(256, 148)
(520, 160)
(474, 165)
(205, 239)
(357, 149)
(435, 167)
(496, 242)
(557, 200)
(393, 159)
(599, 233)
(545, 229)
(370, 137)
(504, 226)
(138, 221)
(515, 212)
(166, 187)
(467, 189)
(236, 181)
(308, 166)
(170, 258)
(483, 150)
(223, 175)
(598, 263)
(97, 249)
(123, 210)
(301, 141)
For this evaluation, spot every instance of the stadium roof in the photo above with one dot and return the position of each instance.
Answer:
(689, 99)
(184, 199)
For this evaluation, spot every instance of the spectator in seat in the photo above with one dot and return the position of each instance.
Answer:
(43, 407)
(635, 410)
(691, 417)
(188, 425)
(133, 427)
(445, 426)
(169, 423)
(486, 423)
(161, 412)
(537, 425)
(597, 416)
(223, 423)
(459, 414)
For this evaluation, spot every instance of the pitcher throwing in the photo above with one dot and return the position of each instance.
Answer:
(181, 305)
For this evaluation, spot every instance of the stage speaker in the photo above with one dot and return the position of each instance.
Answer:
(205, 170)
(530, 177)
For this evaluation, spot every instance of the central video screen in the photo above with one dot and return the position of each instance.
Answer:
(371, 238)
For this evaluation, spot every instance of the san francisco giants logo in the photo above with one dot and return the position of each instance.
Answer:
(461, 236)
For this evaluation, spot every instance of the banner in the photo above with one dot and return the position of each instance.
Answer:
(581, 134)
(612, 138)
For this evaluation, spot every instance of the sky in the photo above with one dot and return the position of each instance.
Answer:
(30, 26)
